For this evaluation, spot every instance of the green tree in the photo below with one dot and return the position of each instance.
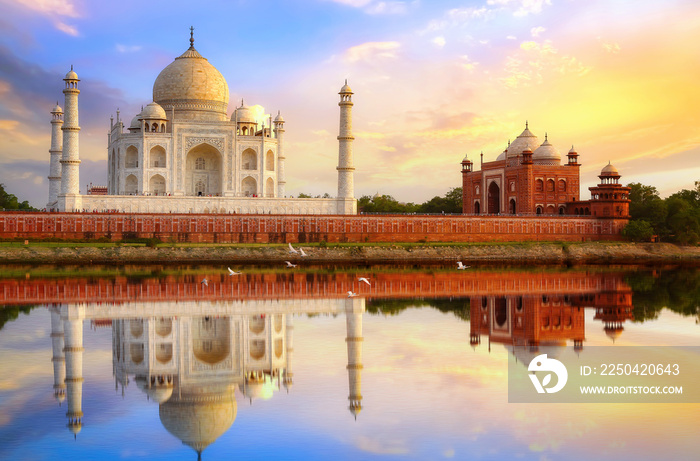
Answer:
(646, 205)
(384, 204)
(638, 231)
(10, 202)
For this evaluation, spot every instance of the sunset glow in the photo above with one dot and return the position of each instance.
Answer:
(433, 82)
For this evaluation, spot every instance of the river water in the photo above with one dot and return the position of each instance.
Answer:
(153, 363)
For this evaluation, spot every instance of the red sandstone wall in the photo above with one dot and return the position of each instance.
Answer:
(307, 228)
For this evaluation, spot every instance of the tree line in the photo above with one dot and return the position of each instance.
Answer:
(10, 202)
(673, 219)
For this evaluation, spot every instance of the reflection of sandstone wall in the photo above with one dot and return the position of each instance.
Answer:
(299, 285)
(306, 228)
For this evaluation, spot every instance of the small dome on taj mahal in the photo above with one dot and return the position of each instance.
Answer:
(136, 121)
(243, 114)
(153, 111)
(57, 109)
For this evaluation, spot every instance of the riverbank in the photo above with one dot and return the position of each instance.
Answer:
(525, 253)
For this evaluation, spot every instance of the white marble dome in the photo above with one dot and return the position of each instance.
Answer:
(153, 111)
(547, 152)
(525, 139)
(193, 87)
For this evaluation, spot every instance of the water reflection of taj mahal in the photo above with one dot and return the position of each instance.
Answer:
(195, 356)
(192, 364)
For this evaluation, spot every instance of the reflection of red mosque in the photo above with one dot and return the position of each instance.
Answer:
(548, 320)
(529, 320)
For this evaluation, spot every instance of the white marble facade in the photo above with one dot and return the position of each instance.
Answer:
(183, 153)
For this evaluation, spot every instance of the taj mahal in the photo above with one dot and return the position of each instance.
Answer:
(183, 153)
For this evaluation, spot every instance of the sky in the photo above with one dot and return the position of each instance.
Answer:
(433, 81)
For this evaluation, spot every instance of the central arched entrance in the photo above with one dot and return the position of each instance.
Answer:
(203, 171)
(494, 199)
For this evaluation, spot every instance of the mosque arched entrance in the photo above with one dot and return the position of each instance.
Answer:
(203, 171)
(494, 198)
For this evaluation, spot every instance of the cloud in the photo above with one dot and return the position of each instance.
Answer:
(127, 49)
(387, 8)
(376, 7)
(51, 7)
(54, 10)
(536, 31)
(371, 51)
(535, 61)
(521, 7)
(467, 63)
(381, 445)
(439, 41)
(70, 30)
(613, 48)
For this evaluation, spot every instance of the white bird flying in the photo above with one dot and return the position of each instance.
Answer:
(301, 251)
(364, 279)
(289, 264)
(205, 282)
(351, 294)
(461, 266)
(292, 249)
(232, 272)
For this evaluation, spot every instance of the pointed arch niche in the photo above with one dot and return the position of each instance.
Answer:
(203, 171)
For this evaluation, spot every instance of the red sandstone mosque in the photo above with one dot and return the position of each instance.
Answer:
(528, 178)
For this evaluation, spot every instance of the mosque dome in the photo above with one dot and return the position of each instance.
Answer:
(546, 151)
(192, 86)
(279, 118)
(199, 421)
(502, 155)
(613, 332)
(153, 111)
(609, 170)
(526, 139)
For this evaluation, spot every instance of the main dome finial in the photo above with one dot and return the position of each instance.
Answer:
(191, 37)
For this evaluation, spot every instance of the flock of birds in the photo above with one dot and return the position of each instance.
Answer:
(300, 252)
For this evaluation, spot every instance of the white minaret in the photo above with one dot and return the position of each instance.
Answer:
(70, 162)
(346, 186)
(58, 359)
(73, 329)
(354, 307)
(55, 152)
(279, 130)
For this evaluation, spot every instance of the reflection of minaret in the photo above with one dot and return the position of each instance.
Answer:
(58, 359)
(73, 329)
(288, 375)
(354, 307)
